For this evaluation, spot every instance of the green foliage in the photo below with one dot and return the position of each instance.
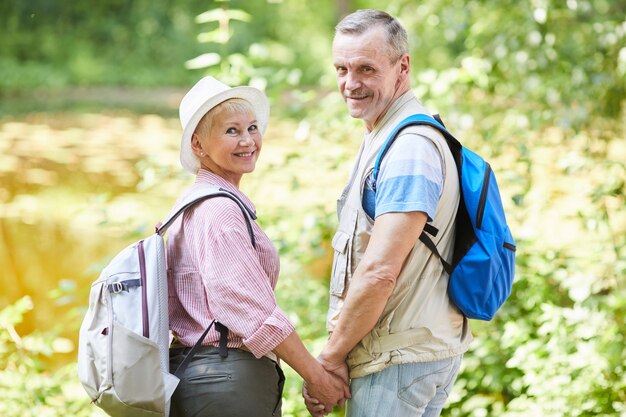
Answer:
(58, 44)
(244, 45)
(562, 61)
(26, 387)
(540, 62)
(556, 348)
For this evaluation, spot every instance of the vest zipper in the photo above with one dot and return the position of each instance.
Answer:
(483, 196)
(144, 293)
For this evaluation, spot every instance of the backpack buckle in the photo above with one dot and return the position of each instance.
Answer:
(116, 287)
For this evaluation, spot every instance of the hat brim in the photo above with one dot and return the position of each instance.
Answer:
(255, 97)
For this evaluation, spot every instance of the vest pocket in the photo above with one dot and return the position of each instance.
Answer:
(341, 263)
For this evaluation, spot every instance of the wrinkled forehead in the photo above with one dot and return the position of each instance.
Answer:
(370, 42)
(376, 33)
(368, 47)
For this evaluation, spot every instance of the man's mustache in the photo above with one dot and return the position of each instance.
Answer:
(356, 94)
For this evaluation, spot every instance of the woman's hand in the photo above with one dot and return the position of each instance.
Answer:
(316, 409)
(324, 391)
(338, 371)
(323, 387)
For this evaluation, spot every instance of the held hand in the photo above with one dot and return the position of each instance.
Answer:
(339, 368)
(313, 405)
(327, 389)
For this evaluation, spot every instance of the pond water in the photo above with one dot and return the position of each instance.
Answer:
(69, 195)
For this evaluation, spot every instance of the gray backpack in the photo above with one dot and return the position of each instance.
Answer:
(123, 345)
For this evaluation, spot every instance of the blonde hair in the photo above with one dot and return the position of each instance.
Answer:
(230, 105)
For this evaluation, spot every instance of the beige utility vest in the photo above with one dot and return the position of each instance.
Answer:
(419, 322)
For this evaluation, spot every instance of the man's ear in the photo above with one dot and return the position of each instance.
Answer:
(405, 65)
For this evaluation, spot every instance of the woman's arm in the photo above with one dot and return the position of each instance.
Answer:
(241, 297)
(324, 386)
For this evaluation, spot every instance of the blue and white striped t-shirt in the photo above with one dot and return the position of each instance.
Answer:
(410, 179)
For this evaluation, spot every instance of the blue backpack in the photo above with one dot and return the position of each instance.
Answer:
(483, 263)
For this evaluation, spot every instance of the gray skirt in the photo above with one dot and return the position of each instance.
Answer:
(237, 386)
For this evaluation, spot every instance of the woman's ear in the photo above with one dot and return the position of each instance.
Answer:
(196, 146)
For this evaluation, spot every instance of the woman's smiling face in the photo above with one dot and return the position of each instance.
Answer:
(230, 145)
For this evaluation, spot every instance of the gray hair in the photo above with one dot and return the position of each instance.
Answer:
(361, 21)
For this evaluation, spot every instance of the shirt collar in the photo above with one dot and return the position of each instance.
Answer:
(204, 177)
(395, 107)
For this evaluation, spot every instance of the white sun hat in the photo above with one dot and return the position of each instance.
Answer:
(203, 96)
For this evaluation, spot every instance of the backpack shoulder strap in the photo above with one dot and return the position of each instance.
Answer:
(455, 147)
(428, 242)
(202, 194)
(193, 198)
(417, 120)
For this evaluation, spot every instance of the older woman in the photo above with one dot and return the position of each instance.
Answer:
(215, 272)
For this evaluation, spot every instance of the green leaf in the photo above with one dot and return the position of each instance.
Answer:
(203, 61)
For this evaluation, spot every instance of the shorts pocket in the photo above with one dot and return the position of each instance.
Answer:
(418, 383)
(208, 378)
(208, 368)
(341, 263)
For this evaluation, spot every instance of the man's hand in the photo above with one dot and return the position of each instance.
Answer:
(337, 367)
(338, 370)
(328, 389)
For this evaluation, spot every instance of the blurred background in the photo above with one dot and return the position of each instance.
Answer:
(89, 139)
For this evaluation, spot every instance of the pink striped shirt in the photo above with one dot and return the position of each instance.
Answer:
(214, 272)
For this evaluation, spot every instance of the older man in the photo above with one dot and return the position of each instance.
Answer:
(392, 327)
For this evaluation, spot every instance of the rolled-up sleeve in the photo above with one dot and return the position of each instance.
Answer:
(272, 332)
(239, 291)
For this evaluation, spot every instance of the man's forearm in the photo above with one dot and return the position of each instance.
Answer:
(369, 291)
(393, 237)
